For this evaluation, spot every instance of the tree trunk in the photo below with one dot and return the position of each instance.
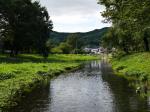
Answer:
(12, 53)
(146, 43)
(16, 52)
(125, 49)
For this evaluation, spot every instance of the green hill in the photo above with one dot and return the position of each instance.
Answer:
(90, 39)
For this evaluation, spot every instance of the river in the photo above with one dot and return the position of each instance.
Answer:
(94, 88)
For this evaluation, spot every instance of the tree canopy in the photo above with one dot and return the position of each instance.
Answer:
(71, 45)
(131, 25)
(25, 26)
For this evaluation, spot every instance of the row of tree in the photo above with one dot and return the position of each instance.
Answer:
(71, 45)
(25, 26)
(130, 20)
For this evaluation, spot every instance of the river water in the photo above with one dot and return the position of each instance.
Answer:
(92, 89)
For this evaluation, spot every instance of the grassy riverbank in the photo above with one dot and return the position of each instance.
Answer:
(19, 75)
(135, 67)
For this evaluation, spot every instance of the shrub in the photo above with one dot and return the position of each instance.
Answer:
(5, 76)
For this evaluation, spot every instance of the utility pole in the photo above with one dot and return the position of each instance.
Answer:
(76, 46)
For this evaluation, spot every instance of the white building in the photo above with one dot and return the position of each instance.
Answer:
(94, 50)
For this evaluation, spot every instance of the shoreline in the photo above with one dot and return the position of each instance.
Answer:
(43, 82)
(130, 68)
(23, 78)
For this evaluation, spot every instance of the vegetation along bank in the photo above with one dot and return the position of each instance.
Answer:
(20, 75)
(134, 67)
(129, 34)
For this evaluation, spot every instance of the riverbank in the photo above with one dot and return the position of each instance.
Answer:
(90, 89)
(20, 75)
(135, 68)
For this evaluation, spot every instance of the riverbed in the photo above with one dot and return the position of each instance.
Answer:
(94, 88)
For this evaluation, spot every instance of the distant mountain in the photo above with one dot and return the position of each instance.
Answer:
(90, 39)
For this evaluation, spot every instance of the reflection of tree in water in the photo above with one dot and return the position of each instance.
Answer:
(125, 98)
(95, 65)
(35, 101)
(92, 68)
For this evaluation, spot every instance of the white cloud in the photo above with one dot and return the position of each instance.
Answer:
(74, 15)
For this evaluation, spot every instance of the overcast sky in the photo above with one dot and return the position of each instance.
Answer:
(75, 15)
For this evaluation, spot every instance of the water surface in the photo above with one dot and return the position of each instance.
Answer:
(92, 89)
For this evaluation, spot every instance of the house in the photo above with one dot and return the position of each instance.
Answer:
(94, 50)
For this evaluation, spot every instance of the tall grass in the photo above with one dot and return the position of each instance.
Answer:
(134, 67)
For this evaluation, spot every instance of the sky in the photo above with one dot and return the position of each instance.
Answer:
(75, 15)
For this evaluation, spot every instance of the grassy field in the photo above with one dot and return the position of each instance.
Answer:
(134, 67)
(19, 75)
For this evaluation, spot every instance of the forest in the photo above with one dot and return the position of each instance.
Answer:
(91, 38)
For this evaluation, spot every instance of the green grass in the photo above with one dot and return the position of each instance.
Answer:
(51, 58)
(134, 67)
(23, 73)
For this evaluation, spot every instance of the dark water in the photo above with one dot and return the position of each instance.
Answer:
(91, 89)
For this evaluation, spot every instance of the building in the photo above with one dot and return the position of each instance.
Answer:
(94, 50)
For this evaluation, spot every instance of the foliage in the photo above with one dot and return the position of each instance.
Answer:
(89, 39)
(63, 48)
(135, 68)
(131, 25)
(73, 41)
(70, 46)
(24, 26)
(56, 50)
(135, 65)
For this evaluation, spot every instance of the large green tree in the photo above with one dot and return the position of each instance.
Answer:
(74, 41)
(130, 19)
(24, 26)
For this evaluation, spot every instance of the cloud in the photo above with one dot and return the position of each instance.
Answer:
(74, 15)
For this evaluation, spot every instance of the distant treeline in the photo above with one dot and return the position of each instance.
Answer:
(25, 26)
(89, 39)
(66, 43)
(72, 45)
(131, 24)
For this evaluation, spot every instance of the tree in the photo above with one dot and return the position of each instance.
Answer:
(71, 45)
(63, 48)
(26, 26)
(74, 41)
(130, 18)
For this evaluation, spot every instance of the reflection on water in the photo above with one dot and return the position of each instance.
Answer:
(91, 89)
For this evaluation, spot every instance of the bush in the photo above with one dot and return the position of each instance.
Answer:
(5, 76)
(120, 68)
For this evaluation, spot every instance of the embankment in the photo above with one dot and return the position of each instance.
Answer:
(135, 68)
